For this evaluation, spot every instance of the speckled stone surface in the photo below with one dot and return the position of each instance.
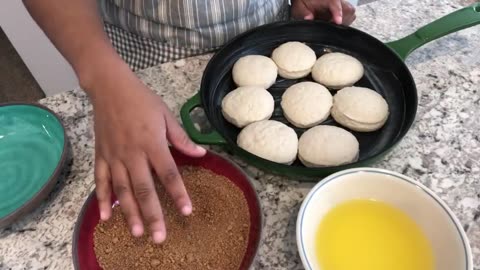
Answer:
(442, 150)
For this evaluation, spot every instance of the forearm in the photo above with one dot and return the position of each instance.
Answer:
(76, 30)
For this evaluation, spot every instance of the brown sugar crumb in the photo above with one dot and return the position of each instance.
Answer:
(215, 236)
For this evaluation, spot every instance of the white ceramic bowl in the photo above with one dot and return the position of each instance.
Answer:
(449, 241)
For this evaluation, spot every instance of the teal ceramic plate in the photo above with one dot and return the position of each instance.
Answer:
(32, 154)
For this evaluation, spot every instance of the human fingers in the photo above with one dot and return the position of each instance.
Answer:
(146, 196)
(124, 193)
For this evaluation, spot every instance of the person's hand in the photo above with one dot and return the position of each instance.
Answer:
(338, 11)
(132, 129)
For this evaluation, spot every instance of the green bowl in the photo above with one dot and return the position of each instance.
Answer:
(32, 156)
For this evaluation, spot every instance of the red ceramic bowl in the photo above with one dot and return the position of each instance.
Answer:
(82, 250)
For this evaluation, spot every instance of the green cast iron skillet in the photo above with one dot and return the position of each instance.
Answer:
(385, 72)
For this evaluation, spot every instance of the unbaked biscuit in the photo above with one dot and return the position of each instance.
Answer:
(337, 70)
(271, 140)
(247, 104)
(306, 104)
(255, 70)
(324, 145)
(294, 60)
(360, 109)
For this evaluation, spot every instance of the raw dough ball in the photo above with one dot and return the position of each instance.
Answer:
(360, 109)
(327, 146)
(337, 70)
(255, 70)
(246, 105)
(306, 104)
(294, 59)
(270, 139)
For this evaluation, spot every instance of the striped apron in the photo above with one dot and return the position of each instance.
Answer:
(149, 32)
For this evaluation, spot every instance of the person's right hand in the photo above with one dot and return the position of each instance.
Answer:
(132, 129)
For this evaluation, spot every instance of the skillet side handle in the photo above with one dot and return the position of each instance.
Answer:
(453, 22)
(198, 137)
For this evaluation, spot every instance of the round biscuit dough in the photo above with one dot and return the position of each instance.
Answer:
(337, 70)
(271, 140)
(306, 104)
(294, 59)
(360, 109)
(255, 70)
(324, 145)
(247, 104)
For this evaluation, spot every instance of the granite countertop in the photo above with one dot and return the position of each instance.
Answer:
(442, 150)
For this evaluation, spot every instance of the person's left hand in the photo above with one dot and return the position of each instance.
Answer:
(338, 11)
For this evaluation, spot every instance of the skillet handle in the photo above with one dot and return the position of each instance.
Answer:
(453, 22)
(198, 137)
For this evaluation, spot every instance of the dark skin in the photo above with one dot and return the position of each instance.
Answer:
(337, 11)
(133, 126)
